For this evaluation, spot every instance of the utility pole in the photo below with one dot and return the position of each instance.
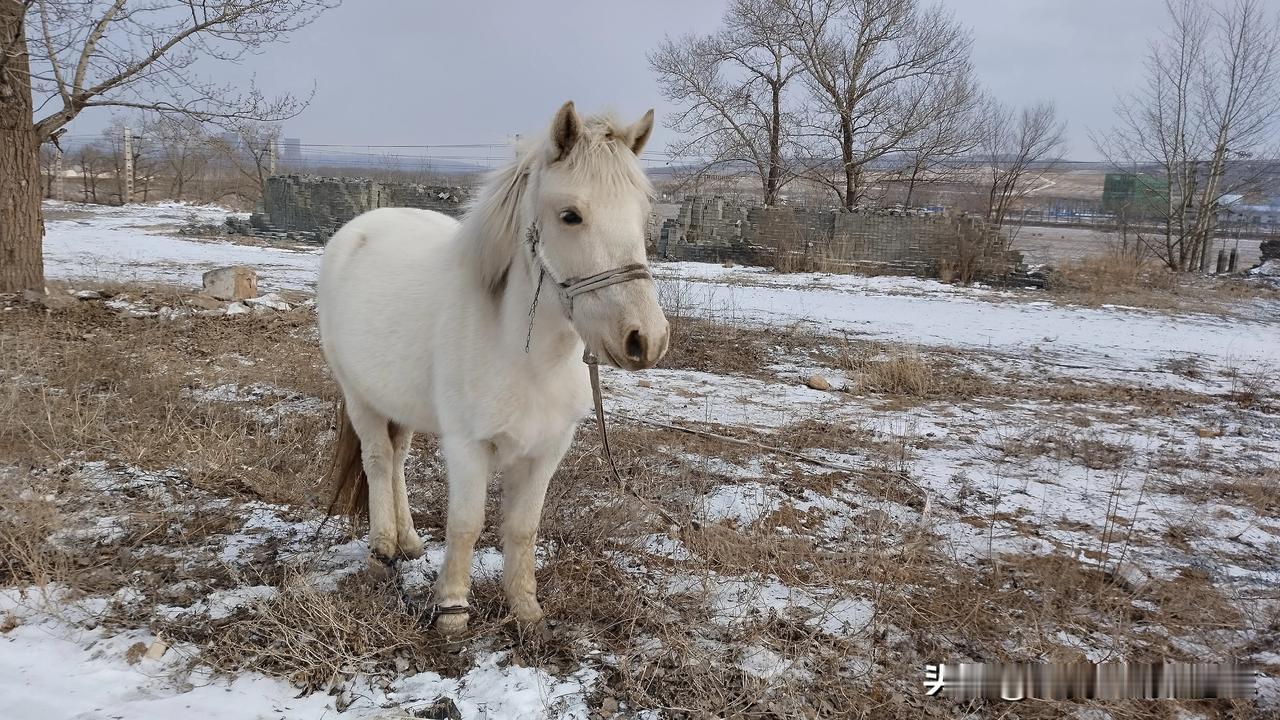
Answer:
(127, 196)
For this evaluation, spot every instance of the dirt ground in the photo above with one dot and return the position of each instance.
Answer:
(161, 483)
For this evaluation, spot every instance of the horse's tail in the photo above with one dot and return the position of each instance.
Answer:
(347, 483)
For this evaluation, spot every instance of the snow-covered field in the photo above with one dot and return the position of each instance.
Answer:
(1054, 483)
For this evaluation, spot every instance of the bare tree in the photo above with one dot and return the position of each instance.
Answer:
(99, 53)
(183, 148)
(931, 155)
(872, 67)
(733, 88)
(90, 162)
(247, 149)
(142, 166)
(48, 162)
(1017, 148)
(1208, 108)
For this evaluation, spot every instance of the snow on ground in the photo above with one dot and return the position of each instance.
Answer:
(54, 670)
(140, 243)
(926, 312)
(1105, 481)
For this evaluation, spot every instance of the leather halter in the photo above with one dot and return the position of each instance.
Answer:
(571, 288)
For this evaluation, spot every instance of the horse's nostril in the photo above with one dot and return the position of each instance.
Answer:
(635, 346)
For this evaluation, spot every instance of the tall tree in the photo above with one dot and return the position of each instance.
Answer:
(248, 150)
(1208, 105)
(1013, 145)
(21, 226)
(872, 67)
(101, 53)
(930, 155)
(733, 87)
(183, 147)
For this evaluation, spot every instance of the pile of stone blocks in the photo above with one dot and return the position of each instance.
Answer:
(312, 208)
(717, 229)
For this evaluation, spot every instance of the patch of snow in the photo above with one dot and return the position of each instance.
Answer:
(140, 243)
(743, 503)
(765, 664)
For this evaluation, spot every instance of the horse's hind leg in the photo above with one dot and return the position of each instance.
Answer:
(469, 464)
(377, 454)
(407, 541)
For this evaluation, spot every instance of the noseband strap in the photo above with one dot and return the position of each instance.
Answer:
(573, 287)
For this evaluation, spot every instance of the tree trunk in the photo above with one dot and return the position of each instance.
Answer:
(911, 184)
(846, 154)
(21, 225)
(774, 178)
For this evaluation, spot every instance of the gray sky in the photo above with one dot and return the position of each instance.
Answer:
(434, 72)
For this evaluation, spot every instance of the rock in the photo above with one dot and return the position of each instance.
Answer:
(204, 302)
(443, 709)
(270, 300)
(235, 282)
(157, 650)
(236, 308)
(817, 382)
(608, 706)
(87, 295)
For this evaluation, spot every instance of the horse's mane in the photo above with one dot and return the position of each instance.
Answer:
(493, 226)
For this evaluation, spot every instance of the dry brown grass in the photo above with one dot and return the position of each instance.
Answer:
(720, 347)
(83, 384)
(1118, 278)
(890, 370)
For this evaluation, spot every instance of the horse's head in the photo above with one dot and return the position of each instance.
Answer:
(587, 205)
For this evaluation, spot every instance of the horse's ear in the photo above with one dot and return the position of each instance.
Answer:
(640, 131)
(566, 130)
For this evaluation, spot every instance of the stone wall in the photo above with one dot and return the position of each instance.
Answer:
(1270, 250)
(706, 229)
(312, 208)
(717, 230)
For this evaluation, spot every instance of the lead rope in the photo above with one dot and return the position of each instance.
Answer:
(593, 367)
(528, 338)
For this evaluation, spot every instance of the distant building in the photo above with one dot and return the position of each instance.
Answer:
(1133, 194)
(291, 151)
(1256, 216)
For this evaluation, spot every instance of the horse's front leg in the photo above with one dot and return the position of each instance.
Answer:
(469, 465)
(523, 492)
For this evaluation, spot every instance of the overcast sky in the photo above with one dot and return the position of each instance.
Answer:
(433, 72)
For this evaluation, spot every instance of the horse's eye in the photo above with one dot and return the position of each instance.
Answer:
(570, 217)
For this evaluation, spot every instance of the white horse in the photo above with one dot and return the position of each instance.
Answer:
(431, 325)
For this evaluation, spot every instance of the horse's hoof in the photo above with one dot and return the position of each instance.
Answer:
(453, 624)
(527, 611)
(383, 547)
(382, 567)
(409, 547)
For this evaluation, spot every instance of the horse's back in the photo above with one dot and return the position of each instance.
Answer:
(382, 275)
(386, 230)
